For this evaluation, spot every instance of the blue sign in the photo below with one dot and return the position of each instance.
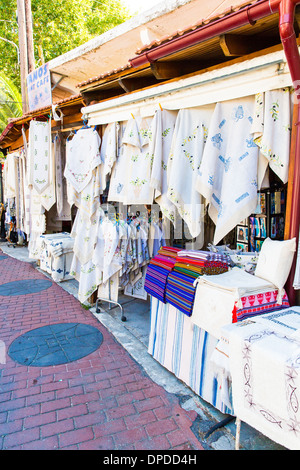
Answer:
(39, 88)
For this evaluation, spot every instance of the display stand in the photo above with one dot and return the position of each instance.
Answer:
(109, 301)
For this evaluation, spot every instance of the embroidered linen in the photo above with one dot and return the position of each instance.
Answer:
(39, 154)
(272, 129)
(184, 160)
(264, 358)
(109, 149)
(10, 175)
(82, 157)
(59, 166)
(118, 180)
(135, 142)
(217, 295)
(48, 196)
(162, 128)
(228, 171)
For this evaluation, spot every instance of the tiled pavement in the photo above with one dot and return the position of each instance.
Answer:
(102, 401)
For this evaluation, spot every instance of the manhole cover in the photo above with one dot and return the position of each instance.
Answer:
(55, 344)
(27, 286)
(2, 257)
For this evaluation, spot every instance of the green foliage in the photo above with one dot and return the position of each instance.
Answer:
(58, 27)
(10, 101)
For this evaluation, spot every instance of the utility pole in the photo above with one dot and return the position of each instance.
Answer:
(27, 63)
(29, 35)
(23, 52)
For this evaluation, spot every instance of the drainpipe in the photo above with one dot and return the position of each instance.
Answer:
(247, 15)
(288, 39)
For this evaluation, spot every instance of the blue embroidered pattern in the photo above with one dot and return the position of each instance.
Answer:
(238, 113)
(226, 161)
(251, 143)
(243, 196)
(243, 156)
(216, 140)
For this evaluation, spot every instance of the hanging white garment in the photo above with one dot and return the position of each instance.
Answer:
(82, 268)
(24, 156)
(161, 130)
(48, 196)
(10, 175)
(135, 142)
(88, 277)
(184, 160)
(87, 201)
(85, 235)
(39, 155)
(228, 171)
(107, 242)
(272, 130)
(118, 183)
(82, 157)
(109, 149)
(58, 148)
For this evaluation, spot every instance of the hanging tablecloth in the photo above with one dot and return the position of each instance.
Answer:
(272, 129)
(109, 149)
(82, 157)
(184, 160)
(136, 141)
(39, 155)
(162, 129)
(228, 171)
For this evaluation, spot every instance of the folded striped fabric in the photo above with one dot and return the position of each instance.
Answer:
(180, 291)
(158, 270)
(171, 273)
(205, 255)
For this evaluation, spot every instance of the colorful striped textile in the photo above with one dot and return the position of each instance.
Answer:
(180, 291)
(258, 304)
(158, 270)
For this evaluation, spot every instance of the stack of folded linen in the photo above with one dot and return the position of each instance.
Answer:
(158, 270)
(189, 265)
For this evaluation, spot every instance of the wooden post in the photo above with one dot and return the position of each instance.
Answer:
(23, 52)
(29, 36)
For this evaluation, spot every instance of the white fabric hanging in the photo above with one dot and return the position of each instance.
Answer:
(48, 196)
(10, 175)
(272, 130)
(58, 172)
(136, 147)
(118, 183)
(39, 154)
(228, 171)
(183, 164)
(109, 149)
(82, 157)
(162, 128)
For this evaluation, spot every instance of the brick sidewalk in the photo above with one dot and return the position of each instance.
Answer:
(102, 401)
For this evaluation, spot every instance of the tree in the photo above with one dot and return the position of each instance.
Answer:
(10, 101)
(58, 27)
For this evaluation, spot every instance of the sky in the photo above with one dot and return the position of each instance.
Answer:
(138, 6)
